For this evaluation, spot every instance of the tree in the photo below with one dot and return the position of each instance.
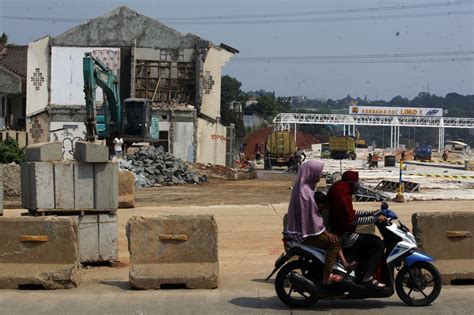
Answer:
(231, 92)
(4, 39)
(10, 152)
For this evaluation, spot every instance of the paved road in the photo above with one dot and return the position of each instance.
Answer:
(255, 298)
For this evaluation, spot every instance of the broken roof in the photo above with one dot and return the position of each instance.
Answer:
(121, 27)
(13, 58)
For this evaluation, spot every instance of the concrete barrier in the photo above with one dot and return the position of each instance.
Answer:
(91, 152)
(173, 250)
(447, 236)
(39, 251)
(126, 189)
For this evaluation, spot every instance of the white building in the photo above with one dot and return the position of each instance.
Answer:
(146, 55)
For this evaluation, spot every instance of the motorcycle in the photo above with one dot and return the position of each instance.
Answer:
(300, 269)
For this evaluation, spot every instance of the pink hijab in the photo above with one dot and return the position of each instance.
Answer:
(304, 218)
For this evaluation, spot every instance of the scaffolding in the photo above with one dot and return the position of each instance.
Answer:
(285, 121)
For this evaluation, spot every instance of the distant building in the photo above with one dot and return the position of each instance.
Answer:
(252, 100)
(147, 56)
(13, 92)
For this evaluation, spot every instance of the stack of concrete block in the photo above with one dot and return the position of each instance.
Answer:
(39, 251)
(85, 189)
(88, 183)
(172, 250)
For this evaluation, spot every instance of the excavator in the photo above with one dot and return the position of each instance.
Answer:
(134, 119)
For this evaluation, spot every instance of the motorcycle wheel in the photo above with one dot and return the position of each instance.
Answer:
(287, 293)
(423, 289)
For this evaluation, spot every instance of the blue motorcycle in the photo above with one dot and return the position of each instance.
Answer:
(417, 281)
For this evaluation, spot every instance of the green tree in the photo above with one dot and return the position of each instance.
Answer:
(4, 39)
(231, 92)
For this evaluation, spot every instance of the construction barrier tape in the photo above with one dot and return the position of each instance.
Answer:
(445, 162)
(444, 176)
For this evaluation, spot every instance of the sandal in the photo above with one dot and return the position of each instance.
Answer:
(374, 284)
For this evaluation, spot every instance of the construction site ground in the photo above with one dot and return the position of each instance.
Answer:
(248, 213)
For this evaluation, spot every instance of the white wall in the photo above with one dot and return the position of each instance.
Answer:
(38, 68)
(183, 140)
(215, 60)
(68, 133)
(211, 142)
(67, 80)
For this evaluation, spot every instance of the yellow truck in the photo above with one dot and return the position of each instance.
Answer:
(342, 148)
(279, 149)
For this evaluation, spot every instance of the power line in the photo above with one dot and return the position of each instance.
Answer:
(335, 19)
(306, 13)
(338, 57)
(366, 61)
(187, 20)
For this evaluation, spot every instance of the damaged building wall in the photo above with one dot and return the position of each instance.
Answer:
(211, 138)
(37, 78)
(183, 139)
(211, 81)
(67, 78)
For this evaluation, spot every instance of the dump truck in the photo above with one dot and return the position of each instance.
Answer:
(342, 148)
(279, 148)
(423, 153)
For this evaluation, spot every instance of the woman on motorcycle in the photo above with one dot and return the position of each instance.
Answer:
(305, 223)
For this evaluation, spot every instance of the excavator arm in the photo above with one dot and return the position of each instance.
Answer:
(96, 73)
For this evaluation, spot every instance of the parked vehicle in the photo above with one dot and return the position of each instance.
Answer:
(133, 119)
(325, 151)
(279, 148)
(342, 148)
(300, 268)
(423, 153)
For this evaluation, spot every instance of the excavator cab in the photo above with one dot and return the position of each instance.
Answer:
(141, 123)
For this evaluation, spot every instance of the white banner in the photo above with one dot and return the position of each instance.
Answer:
(395, 111)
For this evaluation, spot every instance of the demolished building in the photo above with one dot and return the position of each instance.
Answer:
(181, 72)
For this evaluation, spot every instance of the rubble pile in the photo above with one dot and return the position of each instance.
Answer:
(154, 166)
(213, 171)
(11, 179)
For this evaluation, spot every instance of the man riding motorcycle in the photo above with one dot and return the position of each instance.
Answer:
(368, 249)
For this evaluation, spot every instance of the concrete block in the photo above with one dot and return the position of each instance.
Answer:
(447, 236)
(173, 250)
(97, 237)
(39, 251)
(469, 165)
(126, 189)
(106, 180)
(37, 185)
(91, 152)
(83, 186)
(64, 184)
(44, 152)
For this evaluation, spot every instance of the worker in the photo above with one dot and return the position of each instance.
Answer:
(445, 155)
(305, 223)
(368, 248)
(118, 141)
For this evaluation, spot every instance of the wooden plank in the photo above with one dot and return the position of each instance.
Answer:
(458, 234)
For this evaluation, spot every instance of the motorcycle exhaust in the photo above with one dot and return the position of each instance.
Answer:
(303, 283)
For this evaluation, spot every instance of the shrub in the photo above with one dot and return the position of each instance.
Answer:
(10, 152)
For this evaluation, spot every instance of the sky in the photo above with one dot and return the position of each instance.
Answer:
(428, 30)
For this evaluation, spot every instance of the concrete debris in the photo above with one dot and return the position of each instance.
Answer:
(154, 166)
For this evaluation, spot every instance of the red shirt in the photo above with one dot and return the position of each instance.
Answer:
(341, 211)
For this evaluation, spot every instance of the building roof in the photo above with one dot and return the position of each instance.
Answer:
(13, 58)
(122, 27)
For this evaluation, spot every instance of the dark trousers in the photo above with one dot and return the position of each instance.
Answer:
(368, 251)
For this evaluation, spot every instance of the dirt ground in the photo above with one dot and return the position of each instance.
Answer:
(269, 187)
